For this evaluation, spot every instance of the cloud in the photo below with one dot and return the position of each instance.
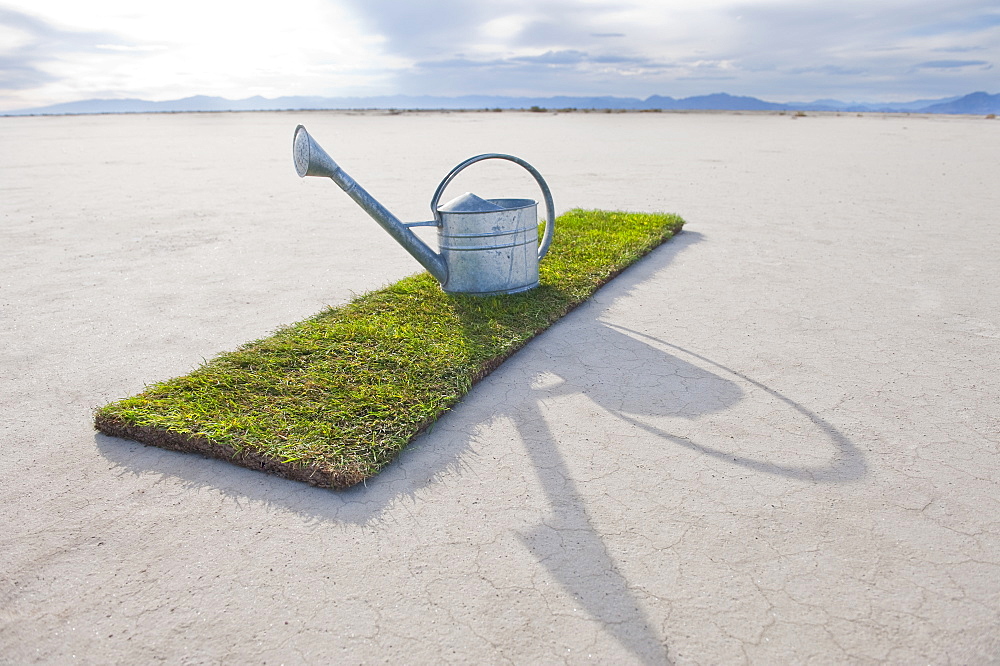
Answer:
(853, 47)
(555, 58)
(960, 21)
(776, 49)
(545, 74)
(769, 47)
(959, 49)
(32, 44)
(420, 28)
(443, 28)
(131, 48)
(573, 57)
(170, 50)
(829, 70)
(17, 74)
(950, 64)
(706, 78)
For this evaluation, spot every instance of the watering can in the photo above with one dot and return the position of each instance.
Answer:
(487, 246)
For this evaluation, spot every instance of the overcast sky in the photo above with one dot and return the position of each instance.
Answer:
(781, 50)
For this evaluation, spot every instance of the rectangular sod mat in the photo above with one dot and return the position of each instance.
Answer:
(333, 399)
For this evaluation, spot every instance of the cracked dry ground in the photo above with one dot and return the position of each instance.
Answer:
(772, 441)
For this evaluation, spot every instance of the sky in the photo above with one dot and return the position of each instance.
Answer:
(54, 51)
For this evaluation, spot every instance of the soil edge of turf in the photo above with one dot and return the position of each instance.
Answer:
(175, 441)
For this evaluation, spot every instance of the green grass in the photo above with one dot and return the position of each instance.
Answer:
(333, 399)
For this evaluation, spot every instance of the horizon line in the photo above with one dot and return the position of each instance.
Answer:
(987, 103)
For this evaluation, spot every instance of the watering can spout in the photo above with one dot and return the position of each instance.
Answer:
(312, 160)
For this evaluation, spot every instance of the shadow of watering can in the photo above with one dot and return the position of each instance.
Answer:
(487, 246)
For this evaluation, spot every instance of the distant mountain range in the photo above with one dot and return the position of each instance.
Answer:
(975, 103)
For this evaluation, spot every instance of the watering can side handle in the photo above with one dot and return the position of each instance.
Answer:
(550, 219)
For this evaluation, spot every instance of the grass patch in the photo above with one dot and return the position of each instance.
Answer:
(333, 399)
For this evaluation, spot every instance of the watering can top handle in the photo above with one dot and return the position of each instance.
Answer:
(550, 220)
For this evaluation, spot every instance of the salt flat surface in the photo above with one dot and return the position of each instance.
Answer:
(774, 440)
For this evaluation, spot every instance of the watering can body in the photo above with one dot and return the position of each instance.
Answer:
(490, 246)
(487, 246)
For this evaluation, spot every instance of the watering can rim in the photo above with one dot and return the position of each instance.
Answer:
(499, 204)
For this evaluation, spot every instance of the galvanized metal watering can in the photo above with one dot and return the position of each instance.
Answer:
(487, 246)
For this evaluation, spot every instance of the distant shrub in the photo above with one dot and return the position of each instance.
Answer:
(538, 109)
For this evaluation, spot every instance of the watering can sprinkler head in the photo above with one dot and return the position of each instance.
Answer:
(310, 158)
(487, 246)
